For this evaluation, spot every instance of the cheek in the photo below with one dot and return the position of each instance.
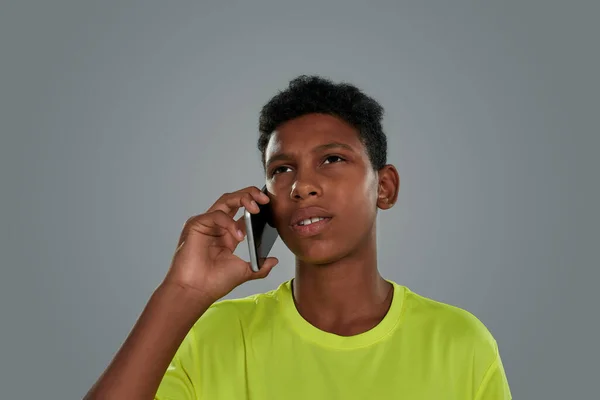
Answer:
(356, 226)
(358, 204)
(356, 223)
(278, 218)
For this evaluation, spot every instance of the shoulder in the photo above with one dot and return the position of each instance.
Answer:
(448, 324)
(234, 317)
(454, 337)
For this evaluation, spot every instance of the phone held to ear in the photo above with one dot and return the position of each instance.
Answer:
(261, 234)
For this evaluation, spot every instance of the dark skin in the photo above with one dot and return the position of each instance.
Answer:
(319, 160)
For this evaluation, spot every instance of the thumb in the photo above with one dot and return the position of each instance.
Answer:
(263, 272)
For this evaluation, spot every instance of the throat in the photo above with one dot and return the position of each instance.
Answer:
(356, 322)
(352, 329)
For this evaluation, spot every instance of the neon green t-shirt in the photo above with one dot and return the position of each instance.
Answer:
(259, 347)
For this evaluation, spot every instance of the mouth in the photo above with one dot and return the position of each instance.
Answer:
(311, 226)
(310, 221)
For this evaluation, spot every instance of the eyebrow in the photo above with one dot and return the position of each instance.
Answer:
(317, 149)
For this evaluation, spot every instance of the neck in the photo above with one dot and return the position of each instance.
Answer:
(348, 295)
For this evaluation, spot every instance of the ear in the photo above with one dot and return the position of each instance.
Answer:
(388, 187)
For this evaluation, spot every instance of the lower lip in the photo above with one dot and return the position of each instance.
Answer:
(312, 229)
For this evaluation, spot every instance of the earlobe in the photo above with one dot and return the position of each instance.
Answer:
(384, 203)
(383, 200)
(389, 182)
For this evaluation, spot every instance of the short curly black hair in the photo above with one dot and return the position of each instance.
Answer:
(314, 94)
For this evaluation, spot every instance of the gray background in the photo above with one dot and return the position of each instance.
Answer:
(120, 119)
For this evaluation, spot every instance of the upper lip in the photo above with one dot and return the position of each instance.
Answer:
(309, 212)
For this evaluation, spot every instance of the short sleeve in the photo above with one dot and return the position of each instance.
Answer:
(178, 381)
(495, 384)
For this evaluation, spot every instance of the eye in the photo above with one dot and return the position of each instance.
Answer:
(333, 159)
(279, 170)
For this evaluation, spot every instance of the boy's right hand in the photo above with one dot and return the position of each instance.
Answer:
(204, 262)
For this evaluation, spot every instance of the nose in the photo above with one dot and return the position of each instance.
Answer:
(303, 189)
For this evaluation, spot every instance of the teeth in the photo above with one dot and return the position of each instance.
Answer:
(309, 221)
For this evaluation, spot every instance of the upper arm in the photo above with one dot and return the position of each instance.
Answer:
(180, 379)
(494, 385)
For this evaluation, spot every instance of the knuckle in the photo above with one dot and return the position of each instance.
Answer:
(224, 197)
(252, 190)
(224, 218)
(190, 220)
(220, 214)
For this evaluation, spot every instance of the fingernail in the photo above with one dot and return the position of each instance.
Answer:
(240, 234)
(254, 205)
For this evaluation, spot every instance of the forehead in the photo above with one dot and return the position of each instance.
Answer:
(308, 131)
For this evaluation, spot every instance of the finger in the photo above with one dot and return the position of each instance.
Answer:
(240, 223)
(257, 194)
(224, 234)
(224, 238)
(228, 241)
(218, 219)
(249, 203)
(231, 202)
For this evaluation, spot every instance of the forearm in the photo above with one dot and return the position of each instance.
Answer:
(138, 367)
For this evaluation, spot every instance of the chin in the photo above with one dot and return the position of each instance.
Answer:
(319, 255)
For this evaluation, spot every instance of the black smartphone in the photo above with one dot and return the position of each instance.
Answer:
(261, 234)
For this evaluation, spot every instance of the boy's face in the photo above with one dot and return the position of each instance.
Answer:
(316, 166)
